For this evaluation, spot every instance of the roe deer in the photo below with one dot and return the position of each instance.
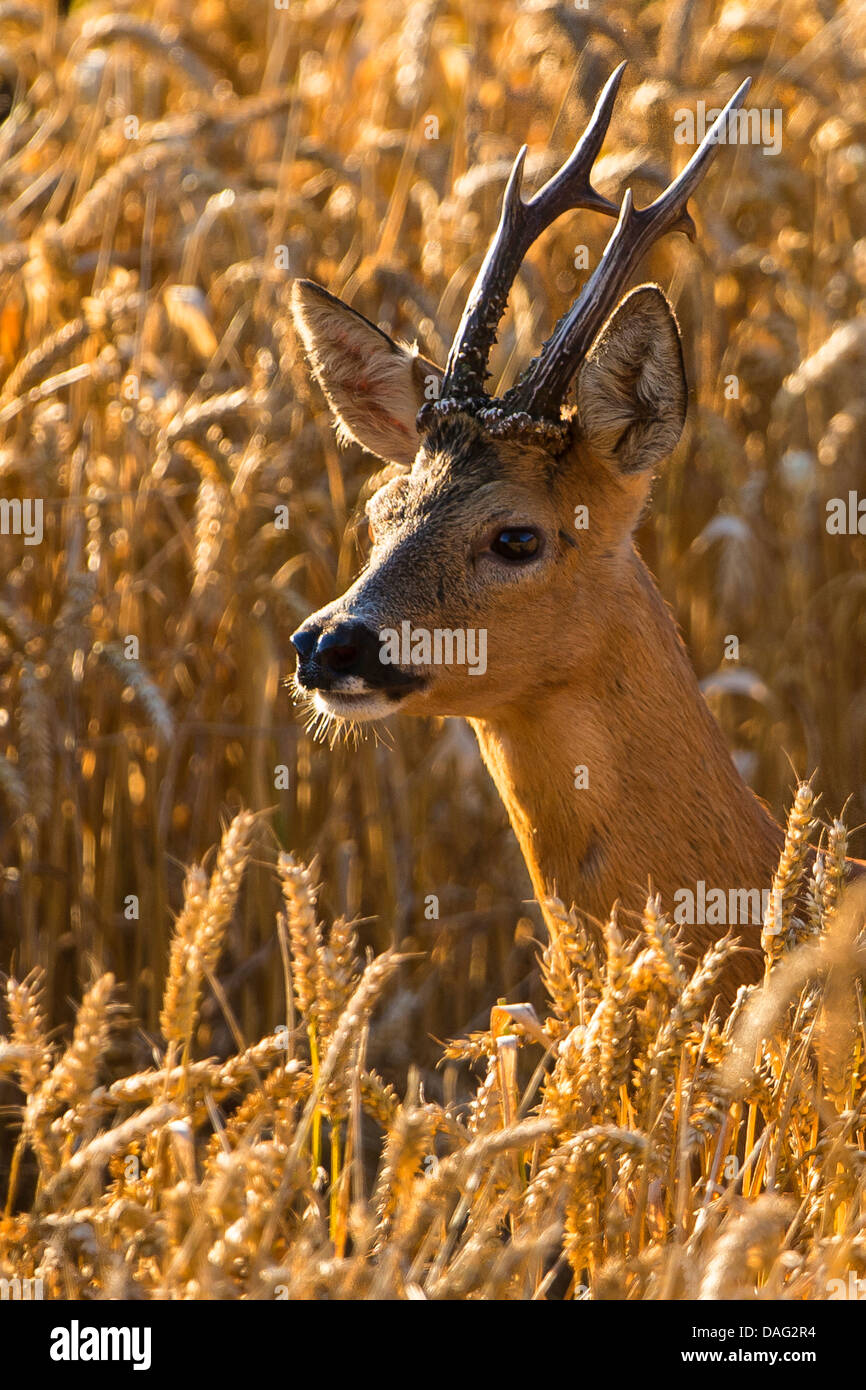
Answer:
(585, 667)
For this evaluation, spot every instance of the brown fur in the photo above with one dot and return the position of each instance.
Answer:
(585, 666)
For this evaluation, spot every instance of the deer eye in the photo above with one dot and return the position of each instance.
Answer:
(515, 543)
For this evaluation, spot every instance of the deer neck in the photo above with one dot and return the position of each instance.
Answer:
(618, 774)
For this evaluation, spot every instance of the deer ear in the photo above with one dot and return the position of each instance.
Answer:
(631, 390)
(374, 386)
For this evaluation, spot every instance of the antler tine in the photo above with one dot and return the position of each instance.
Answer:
(520, 224)
(542, 386)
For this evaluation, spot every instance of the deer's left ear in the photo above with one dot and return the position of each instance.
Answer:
(631, 389)
(374, 386)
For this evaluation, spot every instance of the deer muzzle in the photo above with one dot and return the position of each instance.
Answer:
(344, 659)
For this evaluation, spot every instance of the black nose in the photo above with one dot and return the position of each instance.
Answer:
(304, 641)
(342, 650)
(349, 649)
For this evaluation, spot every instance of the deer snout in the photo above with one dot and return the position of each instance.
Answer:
(305, 639)
(328, 657)
(346, 658)
(344, 651)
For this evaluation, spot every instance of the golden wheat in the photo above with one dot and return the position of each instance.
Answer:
(242, 1130)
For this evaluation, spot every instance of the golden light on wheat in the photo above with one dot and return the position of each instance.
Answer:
(221, 1070)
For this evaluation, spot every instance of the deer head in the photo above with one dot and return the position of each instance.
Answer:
(475, 531)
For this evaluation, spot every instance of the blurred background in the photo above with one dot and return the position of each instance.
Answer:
(166, 170)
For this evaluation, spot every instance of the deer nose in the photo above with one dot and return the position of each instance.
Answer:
(342, 650)
(304, 641)
(349, 649)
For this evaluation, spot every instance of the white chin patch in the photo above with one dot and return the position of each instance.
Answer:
(355, 705)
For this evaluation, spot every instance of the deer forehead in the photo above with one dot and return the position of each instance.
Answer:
(470, 487)
(466, 490)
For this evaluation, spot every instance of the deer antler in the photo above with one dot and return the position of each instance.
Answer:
(520, 224)
(542, 386)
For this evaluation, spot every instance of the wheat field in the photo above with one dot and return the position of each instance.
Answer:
(241, 1055)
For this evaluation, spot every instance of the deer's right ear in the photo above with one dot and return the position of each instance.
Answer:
(374, 386)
